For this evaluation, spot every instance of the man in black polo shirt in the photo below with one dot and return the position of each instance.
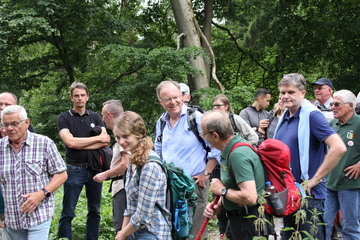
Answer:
(75, 126)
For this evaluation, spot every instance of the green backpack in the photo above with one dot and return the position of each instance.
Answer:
(180, 197)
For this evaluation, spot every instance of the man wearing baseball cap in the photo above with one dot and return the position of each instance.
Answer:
(323, 89)
(185, 91)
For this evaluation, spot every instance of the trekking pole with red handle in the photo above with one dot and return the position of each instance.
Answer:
(203, 226)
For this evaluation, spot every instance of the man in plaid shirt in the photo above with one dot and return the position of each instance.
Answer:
(31, 169)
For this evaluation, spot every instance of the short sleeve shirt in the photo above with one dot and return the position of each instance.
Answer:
(79, 126)
(319, 131)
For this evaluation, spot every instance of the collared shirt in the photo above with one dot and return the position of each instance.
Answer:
(180, 145)
(79, 126)
(245, 165)
(28, 171)
(350, 134)
(325, 108)
(319, 131)
(144, 196)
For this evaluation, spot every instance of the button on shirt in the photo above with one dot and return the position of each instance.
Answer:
(25, 172)
(180, 145)
(145, 196)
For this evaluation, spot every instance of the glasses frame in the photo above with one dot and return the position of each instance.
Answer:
(218, 105)
(203, 134)
(337, 104)
(12, 124)
(168, 100)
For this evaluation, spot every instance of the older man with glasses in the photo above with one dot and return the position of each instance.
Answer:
(343, 182)
(178, 144)
(31, 169)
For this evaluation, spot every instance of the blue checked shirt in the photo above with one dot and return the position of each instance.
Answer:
(141, 197)
(25, 172)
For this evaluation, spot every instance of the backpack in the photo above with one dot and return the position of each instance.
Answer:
(180, 197)
(192, 126)
(99, 160)
(275, 156)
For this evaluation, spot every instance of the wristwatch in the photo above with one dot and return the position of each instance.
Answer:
(47, 193)
(206, 173)
(224, 191)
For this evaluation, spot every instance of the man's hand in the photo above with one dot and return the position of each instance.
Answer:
(310, 184)
(104, 137)
(2, 225)
(353, 171)
(211, 213)
(32, 202)
(201, 179)
(216, 186)
(100, 177)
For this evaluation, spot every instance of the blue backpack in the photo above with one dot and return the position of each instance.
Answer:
(180, 197)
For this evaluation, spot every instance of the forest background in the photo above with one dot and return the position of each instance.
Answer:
(124, 49)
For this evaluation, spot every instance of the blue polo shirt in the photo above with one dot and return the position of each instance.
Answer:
(79, 126)
(319, 131)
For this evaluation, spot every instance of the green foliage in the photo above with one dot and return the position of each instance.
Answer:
(107, 230)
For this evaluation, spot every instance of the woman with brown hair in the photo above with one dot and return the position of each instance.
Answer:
(146, 216)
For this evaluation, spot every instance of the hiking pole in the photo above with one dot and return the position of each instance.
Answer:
(203, 226)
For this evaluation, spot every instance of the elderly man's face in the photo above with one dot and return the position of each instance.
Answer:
(341, 109)
(6, 99)
(15, 127)
(171, 99)
(322, 93)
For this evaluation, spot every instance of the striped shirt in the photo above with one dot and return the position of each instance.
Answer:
(141, 197)
(27, 171)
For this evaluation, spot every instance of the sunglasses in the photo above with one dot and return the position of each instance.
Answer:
(337, 104)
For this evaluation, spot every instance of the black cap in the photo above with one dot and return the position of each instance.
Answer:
(323, 81)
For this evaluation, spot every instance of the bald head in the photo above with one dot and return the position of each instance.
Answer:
(7, 99)
(217, 121)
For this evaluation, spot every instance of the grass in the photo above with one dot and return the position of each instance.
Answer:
(107, 230)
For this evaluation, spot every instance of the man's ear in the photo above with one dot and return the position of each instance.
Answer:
(216, 136)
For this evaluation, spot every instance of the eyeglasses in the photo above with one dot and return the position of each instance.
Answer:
(337, 104)
(167, 100)
(203, 134)
(12, 124)
(218, 105)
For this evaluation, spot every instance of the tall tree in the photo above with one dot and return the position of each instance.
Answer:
(186, 23)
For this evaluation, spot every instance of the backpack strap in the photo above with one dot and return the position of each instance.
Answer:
(232, 121)
(193, 127)
(162, 126)
(157, 160)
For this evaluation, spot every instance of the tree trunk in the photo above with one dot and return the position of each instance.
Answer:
(207, 32)
(184, 17)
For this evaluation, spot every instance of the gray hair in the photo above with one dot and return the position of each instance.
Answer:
(15, 109)
(78, 85)
(346, 96)
(219, 122)
(296, 79)
(114, 107)
(165, 83)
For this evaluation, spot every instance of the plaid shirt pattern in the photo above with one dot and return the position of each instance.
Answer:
(25, 172)
(141, 199)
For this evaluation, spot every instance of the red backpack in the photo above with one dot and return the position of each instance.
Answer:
(275, 156)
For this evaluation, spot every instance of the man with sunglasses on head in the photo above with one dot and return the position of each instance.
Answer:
(306, 132)
(323, 89)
